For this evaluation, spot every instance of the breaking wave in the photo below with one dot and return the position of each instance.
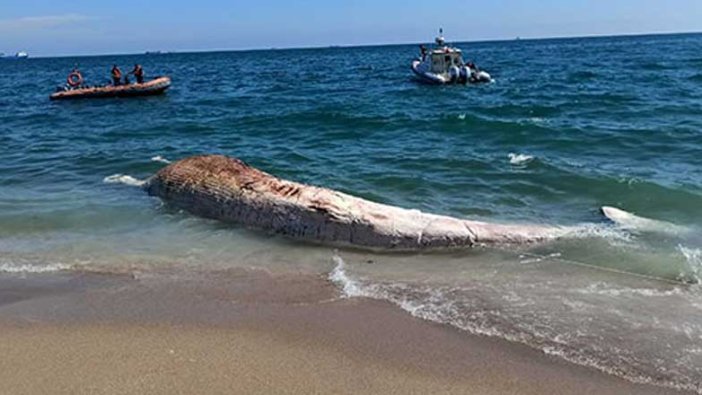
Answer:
(160, 159)
(123, 179)
(484, 309)
(519, 160)
(339, 277)
(19, 268)
(693, 257)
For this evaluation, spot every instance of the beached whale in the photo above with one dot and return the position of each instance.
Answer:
(229, 190)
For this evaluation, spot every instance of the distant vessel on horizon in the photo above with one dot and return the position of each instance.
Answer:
(21, 55)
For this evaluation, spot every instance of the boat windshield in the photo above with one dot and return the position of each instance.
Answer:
(440, 62)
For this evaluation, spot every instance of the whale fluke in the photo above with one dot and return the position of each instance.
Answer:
(229, 190)
(631, 221)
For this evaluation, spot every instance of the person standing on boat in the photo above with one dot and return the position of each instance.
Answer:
(423, 52)
(116, 75)
(138, 73)
(474, 71)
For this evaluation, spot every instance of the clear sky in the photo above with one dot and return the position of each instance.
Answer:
(52, 27)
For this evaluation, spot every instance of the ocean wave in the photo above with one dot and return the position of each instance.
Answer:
(535, 120)
(600, 231)
(21, 268)
(526, 259)
(605, 289)
(161, 159)
(519, 160)
(579, 76)
(693, 258)
(123, 179)
(653, 66)
(338, 276)
(476, 312)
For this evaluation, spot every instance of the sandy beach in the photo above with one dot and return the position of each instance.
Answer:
(250, 332)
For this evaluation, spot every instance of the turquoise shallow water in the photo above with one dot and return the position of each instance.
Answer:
(567, 127)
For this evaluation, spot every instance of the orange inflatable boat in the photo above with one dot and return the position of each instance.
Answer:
(154, 87)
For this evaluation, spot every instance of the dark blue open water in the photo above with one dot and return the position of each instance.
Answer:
(568, 126)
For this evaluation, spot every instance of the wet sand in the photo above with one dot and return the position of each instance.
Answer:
(252, 332)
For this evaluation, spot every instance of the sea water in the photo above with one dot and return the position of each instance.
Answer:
(568, 126)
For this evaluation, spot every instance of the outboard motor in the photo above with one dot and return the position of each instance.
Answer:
(482, 76)
(454, 73)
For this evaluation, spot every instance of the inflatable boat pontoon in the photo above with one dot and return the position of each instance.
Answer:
(154, 87)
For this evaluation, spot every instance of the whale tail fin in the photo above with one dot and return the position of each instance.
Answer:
(631, 221)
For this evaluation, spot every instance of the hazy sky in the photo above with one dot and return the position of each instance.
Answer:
(51, 27)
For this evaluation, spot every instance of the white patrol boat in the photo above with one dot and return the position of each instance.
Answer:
(445, 65)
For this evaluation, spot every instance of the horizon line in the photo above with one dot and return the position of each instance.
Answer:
(273, 48)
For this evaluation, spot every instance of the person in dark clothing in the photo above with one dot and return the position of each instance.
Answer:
(116, 75)
(423, 52)
(138, 73)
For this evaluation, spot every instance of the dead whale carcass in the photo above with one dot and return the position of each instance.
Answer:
(227, 189)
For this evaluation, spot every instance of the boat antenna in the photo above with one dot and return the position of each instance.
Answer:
(440, 40)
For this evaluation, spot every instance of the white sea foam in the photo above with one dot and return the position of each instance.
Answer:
(609, 233)
(8, 267)
(605, 289)
(519, 159)
(537, 120)
(461, 116)
(435, 305)
(438, 308)
(693, 257)
(338, 276)
(161, 159)
(448, 305)
(532, 258)
(123, 179)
